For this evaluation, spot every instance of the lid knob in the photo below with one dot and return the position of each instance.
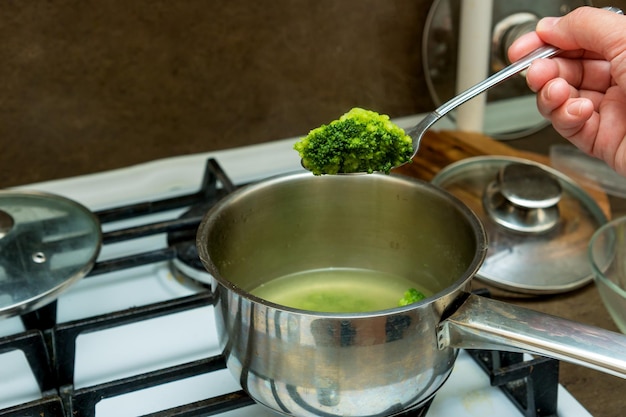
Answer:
(523, 198)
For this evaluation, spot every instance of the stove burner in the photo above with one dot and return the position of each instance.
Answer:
(186, 265)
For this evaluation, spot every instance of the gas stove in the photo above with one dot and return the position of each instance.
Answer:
(135, 338)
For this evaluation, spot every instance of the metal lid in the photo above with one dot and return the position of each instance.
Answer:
(47, 242)
(538, 222)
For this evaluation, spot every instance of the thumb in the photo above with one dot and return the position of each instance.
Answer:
(586, 28)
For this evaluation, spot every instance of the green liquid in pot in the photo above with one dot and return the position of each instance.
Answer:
(337, 290)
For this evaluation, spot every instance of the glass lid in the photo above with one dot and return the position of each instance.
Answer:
(538, 222)
(47, 242)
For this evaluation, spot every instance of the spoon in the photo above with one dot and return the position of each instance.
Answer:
(417, 132)
(548, 51)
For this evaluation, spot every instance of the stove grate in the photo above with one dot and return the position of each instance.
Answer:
(50, 347)
(213, 175)
(47, 406)
(84, 400)
(532, 385)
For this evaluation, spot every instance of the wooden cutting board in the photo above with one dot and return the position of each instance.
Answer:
(441, 148)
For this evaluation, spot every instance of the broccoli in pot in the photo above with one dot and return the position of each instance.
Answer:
(410, 296)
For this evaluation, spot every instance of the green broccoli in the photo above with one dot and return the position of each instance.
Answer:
(360, 141)
(410, 296)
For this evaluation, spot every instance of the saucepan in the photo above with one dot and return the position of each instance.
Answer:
(377, 363)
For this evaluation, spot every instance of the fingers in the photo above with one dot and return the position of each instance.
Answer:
(592, 75)
(524, 45)
(564, 106)
(553, 96)
(540, 72)
(568, 112)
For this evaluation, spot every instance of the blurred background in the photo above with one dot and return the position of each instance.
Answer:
(93, 85)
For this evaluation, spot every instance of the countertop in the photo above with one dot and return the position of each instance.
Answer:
(602, 395)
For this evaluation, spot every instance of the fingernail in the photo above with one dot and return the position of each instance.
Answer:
(574, 108)
(547, 91)
(547, 23)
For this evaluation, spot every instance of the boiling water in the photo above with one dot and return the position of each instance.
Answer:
(337, 290)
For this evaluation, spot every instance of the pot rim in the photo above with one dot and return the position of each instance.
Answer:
(464, 210)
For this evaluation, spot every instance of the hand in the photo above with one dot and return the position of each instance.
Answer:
(582, 91)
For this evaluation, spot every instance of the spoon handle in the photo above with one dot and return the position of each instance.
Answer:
(431, 118)
(547, 51)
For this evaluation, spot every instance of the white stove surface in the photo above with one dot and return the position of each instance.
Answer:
(190, 335)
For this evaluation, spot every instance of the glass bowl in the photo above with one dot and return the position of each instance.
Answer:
(607, 254)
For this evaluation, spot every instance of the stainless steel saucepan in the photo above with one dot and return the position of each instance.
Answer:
(305, 363)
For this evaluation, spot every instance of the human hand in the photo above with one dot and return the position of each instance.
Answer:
(582, 91)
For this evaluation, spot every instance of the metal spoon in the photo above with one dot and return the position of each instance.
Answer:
(417, 132)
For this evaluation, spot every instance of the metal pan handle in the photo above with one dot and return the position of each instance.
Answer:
(483, 323)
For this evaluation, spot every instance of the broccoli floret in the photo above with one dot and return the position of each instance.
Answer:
(410, 296)
(360, 141)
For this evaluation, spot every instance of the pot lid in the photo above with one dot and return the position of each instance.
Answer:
(538, 222)
(47, 242)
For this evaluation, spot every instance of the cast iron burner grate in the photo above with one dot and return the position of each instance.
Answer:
(532, 385)
(50, 347)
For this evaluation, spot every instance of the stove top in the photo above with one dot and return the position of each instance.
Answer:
(87, 354)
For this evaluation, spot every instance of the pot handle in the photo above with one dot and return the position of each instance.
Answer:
(483, 323)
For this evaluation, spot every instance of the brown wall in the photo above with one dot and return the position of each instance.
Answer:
(92, 85)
